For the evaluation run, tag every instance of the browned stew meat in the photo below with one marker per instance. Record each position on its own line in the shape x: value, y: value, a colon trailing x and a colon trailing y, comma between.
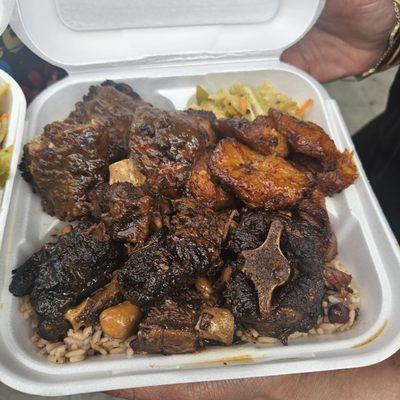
x: 113, y: 105
x: 63, y: 164
x: 200, y: 226
x: 64, y: 273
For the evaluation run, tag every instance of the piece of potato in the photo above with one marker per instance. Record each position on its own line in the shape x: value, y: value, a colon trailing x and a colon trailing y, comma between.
x: 204, y: 287
x: 126, y: 171
x: 216, y: 324
x: 120, y: 321
x: 87, y: 312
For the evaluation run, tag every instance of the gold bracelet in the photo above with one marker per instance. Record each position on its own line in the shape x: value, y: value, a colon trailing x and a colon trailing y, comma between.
x: 391, y: 56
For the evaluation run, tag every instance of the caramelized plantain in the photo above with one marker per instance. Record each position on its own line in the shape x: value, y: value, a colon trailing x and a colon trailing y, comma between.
x: 257, y: 180
x: 329, y: 182
x: 204, y: 190
x: 341, y: 177
x: 306, y: 138
x: 260, y: 134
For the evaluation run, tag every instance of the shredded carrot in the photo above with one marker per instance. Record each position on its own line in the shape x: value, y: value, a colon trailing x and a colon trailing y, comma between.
x: 300, y: 112
x: 243, y: 105
x: 3, y: 116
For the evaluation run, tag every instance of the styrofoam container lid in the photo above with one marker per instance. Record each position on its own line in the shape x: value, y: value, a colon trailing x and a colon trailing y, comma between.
x: 6, y: 8
x: 85, y: 34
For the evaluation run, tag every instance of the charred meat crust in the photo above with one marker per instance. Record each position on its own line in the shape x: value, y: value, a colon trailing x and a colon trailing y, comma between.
x: 175, y: 257
x: 112, y: 105
x: 157, y: 270
x: 81, y: 262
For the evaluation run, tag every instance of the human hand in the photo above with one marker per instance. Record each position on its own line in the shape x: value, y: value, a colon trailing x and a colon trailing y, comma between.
x: 377, y: 382
x: 348, y: 39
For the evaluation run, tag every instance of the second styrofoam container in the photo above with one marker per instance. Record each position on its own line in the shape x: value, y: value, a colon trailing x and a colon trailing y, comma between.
x: 13, y: 103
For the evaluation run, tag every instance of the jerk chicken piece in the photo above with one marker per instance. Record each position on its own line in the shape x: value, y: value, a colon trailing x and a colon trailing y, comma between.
x: 260, y: 135
x: 113, y: 105
x: 173, y: 259
x: 259, y: 181
x: 203, y: 189
x: 79, y: 264
x: 166, y: 144
x: 63, y: 164
x: 296, y: 304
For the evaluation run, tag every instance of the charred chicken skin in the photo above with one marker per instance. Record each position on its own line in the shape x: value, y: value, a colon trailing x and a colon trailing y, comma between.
x: 200, y: 225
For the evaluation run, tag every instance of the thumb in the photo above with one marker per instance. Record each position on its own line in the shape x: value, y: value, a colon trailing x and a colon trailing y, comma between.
x: 241, y: 389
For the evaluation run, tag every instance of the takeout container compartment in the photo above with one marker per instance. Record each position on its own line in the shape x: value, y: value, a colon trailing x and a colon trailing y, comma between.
x: 13, y: 102
x: 366, y: 245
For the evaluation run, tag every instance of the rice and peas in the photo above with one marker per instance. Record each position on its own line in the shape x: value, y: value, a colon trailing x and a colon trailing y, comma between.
x: 237, y: 101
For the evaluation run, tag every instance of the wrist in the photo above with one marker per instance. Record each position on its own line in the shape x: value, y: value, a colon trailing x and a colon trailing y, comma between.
x: 389, y: 52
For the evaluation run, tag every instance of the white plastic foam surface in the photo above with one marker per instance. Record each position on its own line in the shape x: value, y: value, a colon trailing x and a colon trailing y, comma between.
x: 117, y: 14
x: 97, y: 33
x: 13, y: 103
x: 366, y: 246
x: 6, y: 7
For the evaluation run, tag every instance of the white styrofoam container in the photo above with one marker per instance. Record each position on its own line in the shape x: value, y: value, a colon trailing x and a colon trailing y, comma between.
x: 205, y: 56
x: 13, y: 102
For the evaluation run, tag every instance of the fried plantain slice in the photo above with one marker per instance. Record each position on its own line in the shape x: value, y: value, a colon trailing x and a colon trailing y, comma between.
x: 260, y: 134
x: 306, y: 138
x: 341, y: 177
x: 259, y: 181
x: 204, y: 190
x: 329, y: 182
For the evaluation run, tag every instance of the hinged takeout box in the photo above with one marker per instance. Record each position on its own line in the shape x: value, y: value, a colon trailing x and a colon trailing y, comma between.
x: 212, y: 44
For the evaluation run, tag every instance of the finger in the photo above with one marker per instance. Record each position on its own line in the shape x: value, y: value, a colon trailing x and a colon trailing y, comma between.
x: 242, y: 389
